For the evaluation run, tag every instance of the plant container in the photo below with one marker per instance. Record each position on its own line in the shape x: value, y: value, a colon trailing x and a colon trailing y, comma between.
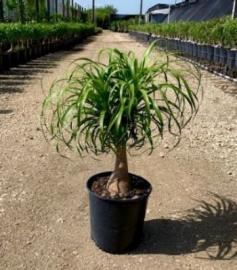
x: 235, y: 67
x: 186, y: 48
x: 216, y: 54
x: 183, y: 47
x: 175, y: 44
x: 223, y: 56
x: 117, y: 225
x: 1, y: 62
x: 15, y: 58
x: 168, y: 45
x: 231, y: 54
x: 210, y: 53
x: 204, y: 52
x: 190, y: 48
x: 22, y: 56
x: 159, y: 42
x: 194, y: 50
x: 7, y: 60
x: 145, y: 37
x: 179, y: 46
x: 152, y: 38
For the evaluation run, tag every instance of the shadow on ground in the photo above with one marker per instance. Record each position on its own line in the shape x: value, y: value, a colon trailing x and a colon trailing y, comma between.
x: 15, y: 79
x: 6, y: 111
x: 212, y: 227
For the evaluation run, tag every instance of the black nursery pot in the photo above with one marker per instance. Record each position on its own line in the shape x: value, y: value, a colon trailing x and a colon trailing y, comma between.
x: 231, y: 58
x: 117, y: 225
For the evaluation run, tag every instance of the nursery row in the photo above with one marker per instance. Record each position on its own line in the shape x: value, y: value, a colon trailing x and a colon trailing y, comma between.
x: 222, y: 31
x: 20, y: 43
x: 218, y: 58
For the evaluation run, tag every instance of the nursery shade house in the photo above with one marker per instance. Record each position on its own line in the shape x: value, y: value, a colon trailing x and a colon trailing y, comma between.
x: 189, y: 10
x: 9, y: 9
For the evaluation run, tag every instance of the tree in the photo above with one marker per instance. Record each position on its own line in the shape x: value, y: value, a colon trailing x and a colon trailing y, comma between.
x: 63, y: 8
x: 67, y: 8
x: 118, y: 106
x: 1, y: 11
x: 103, y: 15
x: 93, y: 11
x: 21, y: 8
x: 56, y: 7
x: 48, y: 10
x: 37, y: 10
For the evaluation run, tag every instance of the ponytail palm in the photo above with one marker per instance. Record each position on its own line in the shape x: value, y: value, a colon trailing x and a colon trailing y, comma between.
x: 122, y: 104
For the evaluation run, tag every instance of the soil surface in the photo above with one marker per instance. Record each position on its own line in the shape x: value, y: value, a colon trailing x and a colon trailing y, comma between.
x: 138, y: 189
x: 191, y: 219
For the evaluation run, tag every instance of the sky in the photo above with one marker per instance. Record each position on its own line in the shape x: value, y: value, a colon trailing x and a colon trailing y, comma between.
x: 125, y: 6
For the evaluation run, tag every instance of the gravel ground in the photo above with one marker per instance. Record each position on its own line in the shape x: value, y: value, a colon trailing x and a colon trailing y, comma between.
x: 191, y: 220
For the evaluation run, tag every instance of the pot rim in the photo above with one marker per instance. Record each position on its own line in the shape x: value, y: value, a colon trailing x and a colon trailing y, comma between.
x: 90, y: 181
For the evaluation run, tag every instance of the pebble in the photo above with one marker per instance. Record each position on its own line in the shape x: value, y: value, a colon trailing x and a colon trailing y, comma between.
x: 166, y: 146
x: 60, y: 220
x: 162, y: 155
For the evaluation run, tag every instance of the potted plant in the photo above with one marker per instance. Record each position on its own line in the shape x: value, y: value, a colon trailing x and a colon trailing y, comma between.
x: 116, y: 106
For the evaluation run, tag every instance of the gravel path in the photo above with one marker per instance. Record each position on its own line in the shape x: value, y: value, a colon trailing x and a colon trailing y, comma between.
x: 43, y: 202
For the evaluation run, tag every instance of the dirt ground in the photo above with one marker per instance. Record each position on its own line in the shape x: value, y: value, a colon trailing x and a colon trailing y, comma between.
x: 191, y: 220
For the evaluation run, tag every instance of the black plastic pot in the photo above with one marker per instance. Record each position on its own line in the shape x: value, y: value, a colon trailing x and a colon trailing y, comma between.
x: 186, y: 48
x: 22, y: 56
x: 204, y: 52
x: 210, y: 53
x: 15, y: 58
x: 216, y: 54
x: 7, y: 60
x: 223, y: 56
x: 159, y: 42
x: 235, y: 67
x: 231, y: 58
x: 195, y: 50
x: 190, y: 48
x: 117, y: 225
x: 176, y: 44
x: 152, y: 38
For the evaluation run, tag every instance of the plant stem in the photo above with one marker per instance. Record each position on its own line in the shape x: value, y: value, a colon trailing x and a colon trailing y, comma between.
x: 119, y: 181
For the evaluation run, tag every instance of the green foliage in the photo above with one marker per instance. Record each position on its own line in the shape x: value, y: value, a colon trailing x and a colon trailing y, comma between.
x: 119, y: 26
x: 22, y: 13
x: 1, y: 11
x: 123, y: 102
x: 217, y: 31
x: 13, y: 32
x: 103, y: 15
x: 11, y: 4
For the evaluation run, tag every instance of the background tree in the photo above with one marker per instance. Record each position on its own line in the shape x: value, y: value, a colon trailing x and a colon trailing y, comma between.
x: 56, y: 8
x: 22, y: 13
x: 37, y: 10
x: 1, y: 11
x: 63, y: 8
x: 93, y: 11
x: 67, y: 8
x: 48, y: 10
x: 103, y: 15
